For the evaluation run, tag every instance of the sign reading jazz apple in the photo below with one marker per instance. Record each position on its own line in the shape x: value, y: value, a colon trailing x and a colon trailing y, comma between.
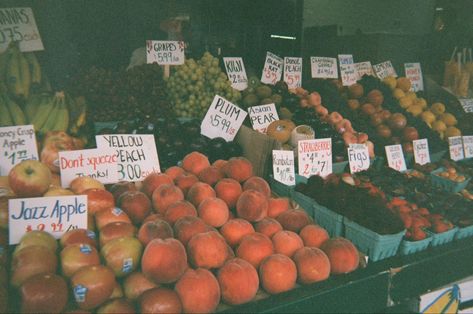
x: 18, y: 24
x: 18, y: 143
x: 165, y: 52
x: 55, y: 215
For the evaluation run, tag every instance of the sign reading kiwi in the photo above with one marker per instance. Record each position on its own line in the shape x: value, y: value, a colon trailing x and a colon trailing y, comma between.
x: 236, y: 73
x: 272, y: 70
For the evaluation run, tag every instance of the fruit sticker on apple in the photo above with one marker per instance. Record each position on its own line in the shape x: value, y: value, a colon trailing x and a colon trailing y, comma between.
x: 223, y: 119
x: 18, y: 144
x: 315, y: 157
x: 283, y: 167
x: 323, y: 67
x: 55, y: 215
x: 455, y: 145
x: 358, y: 157
x: 165, y: 52
x: 395, y: 157
x: 421, y: 151
x: 293, y: 72
x: 468, y: 146
x: 272, y: 70
x: 236, y: 73
x: 262, y: 116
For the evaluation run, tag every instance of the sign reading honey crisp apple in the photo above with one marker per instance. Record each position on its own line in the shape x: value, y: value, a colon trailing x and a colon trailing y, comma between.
x: 272, y: 70
x: 18, y: 24
x: 137, y: 156
x: 18, y: 143
x: 323, y: 67
x: 236, y: 73
x: 165, y: 52
x: 455, y: 146
x: 384, y: 69
x: 293, y: 72
x: 55, y: 215
x: 358, y: 157
x: 468, y: 146
x: 100, y: 164
x: 262, y: 116
x: 283, y: 167
x: 421, y: 151
x: 315, y: 157
x: 395, y: 157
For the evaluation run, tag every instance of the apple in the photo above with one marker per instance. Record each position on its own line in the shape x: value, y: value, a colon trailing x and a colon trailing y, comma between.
x: 37, y: 237
x: 4, y: 182
x: 92, y: 286
x: 156, y: 229
x: 121, y: 187
x: 135, y: 284
x: 58, y: 191
x: 55, y: 180
x: 122, y: 255
x: 80, y: 184
x: 410, y: 133
x: 107, y: 216
x: 116, y: 230
x: 153, y: 217
x: 76, y: 256
x: 136, y: 204
x: 160, y: 300
x: 154, y: 181
x: 43, y: 293
x: 32, y: 260
x: 29, y: 178
x: 117, y: 291
x: 78, y: 236
x: 98, y: 200
x: 122, y: 306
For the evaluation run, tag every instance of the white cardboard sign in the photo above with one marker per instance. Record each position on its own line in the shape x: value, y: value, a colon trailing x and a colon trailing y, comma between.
x: 323, y: 67
x: 223, y: 119
x: 467, y: 104
x: 262, y: 116
x: 395, y: 157
x: 55, y: 215
x: 384, y: 69
x: 358, y: 157
x: 348, y: 74
x: 345, y: 59
x: 421, y: 151
x: 315, y: 157
x: 100, y: 164
x: 293, y: 72
x: 468, y: 146
x: 18, y: 143
x: 283, y: 167
x: 236, y: 73
x: 136, y: 154
x: 18, y: 24
x: 272, y: 70
x: 363, y: 68
x: 165, y: 52
x: 414, y: 73
x: 455, y: 145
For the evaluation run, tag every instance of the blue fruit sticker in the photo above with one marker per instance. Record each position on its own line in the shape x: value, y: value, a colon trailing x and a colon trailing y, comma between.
x: 117, y: 211
x: 79, y: 293
x: 85, y: 248
x: 127, y: 265
x: 91, y: 234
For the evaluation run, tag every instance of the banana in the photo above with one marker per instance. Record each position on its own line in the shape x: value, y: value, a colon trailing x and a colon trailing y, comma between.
x: 16, y: 113
x: 25, y: 75
x: 31, y: 107
x: 35, y: 68
x: 3, y: 65
x: 62, y: 117
x: 5, y: 119
x: 13, y: 76
x: 51, y: 119
x: 43, y: 112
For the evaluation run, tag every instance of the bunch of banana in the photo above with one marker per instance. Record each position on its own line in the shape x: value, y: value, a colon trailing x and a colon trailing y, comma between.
x: 10, y: 112
x: 77, y: 113
x: 48, y: 113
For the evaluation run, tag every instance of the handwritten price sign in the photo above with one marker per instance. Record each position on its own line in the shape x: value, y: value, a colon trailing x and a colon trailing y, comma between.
x: 315, y: 157
x: 223, y: 119
x: 468, y: 146
x: 455, y: 145
x: 364, y: 68
x: 358, y: 157
x: 236, y: 73
x: 384, y: 69
x: 323, y: 67
x: 55, y: 215
x: 467, y: 104
x: 414, y: 73
x: 348, y: 74
x: 262, y: 116
x: 421, y: 151
x: 18, y: 143
x: 283, y: 167
x: 272, y: 70
x: 293, y: 72
x: 165, y: 52
x: 18, y: 24
x: 395, y: 157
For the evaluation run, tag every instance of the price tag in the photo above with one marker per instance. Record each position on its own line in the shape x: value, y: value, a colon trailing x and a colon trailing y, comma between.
x: 315, y: 157
x: 272, y: 70
x: 18, y: 143
x: 262, y: 116
x: 165, y: 52
x: 364, y: 68
x: 283, y: 167
x: 421, y: 151
x: 384, y: 69
x: 236, y: 73
x: 345, y: 59
x: 348, y: 74
x: 358, y: 157
x: 223, y: 119
x: 395, y: 157
x: 293, y: 72
x: 468, y: 146
x: 455, y: 144
x: 136, y: 154
x: 414, y: 73
x: 323, y: 67
x: 467, y: 104
x: 55, y: 215
x: 100, y: 164
x: 18, y: 24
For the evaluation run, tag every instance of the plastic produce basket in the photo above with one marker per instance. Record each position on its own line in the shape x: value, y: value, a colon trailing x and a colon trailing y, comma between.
x: 464, y: 232
x: 279, y: 188
x: 435, y: 157
x: 373, y: 244
x: 339, y: 167
x: 446, y: 184
x: 410, y: 247
x: 330, y: 220
x: 444, y: 237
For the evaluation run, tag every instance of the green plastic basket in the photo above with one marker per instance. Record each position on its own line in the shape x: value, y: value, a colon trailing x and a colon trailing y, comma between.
x: 464, y: 232
x: 339, y: 167
x: 279, y: 188
x: 446, y: 184
x: 410, y: 247
x: 444, y: 237
x: 330, y: 220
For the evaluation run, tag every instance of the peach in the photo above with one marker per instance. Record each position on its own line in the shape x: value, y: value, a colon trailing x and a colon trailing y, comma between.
x: 219, y: 163
x: 174, y: 172
x: 98, y: 200
x: 160, y: 300
x: 235, y: 229
x: 259, y: 184
x: 228, y: 190
x: 268, y: 226
x: 199, y: 291
x: 211, y: 175
x: 165, y: 195
x: 239, y: 168
x: 195, y: 162
x: 185, y: 181
x: 313, y: 235
x: 136, y: 204
x: 254, y: 248
x: 343, y: 255
x: 278, y: 205
x: 287, y: 242
x: 252, y: 206
x: 199, y: 192
x: 312, y: 265
x: 178, y: 210
x: 157, y: 229
x: 153, y: 217
x: 207, y: 250
x: 121, y: 187
x: 214, y: 212
x: 294, y: 219
x: 186, y: 227
x: 238, y: 281
x: 135, y: 284
x: 278, y: 273
x: 154, y: 181
x: 107, y: 216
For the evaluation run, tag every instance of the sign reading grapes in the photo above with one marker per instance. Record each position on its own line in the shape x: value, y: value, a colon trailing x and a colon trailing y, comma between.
x: 293, y: 72
x: 272, y: 70
x: 236, y: 73
x: 323, y: 67
x: 223, y: 119
x: 165, y: 52
x: 315, y: 157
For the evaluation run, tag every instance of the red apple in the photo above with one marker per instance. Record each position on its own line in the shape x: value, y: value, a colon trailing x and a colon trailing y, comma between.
x: 160, y: 300
x: 98, y: 200
x: 30, y: 261
x: 81, y: 184
x: 78, y: 236
x: 37, y: 237
x: 122, y: 255
x: 117, y: 291
x: 121, y: 306
x: 110, y: 215
x: 43, y: 293
x: 92, y: 286
x: 135, y: 284
x: 76, y: 256
x: 136, y: 204
x: 154, y: 181
x: 121, y: 187
x: 116, y: 230
x: 29, y: 178
x: 156, y: 229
